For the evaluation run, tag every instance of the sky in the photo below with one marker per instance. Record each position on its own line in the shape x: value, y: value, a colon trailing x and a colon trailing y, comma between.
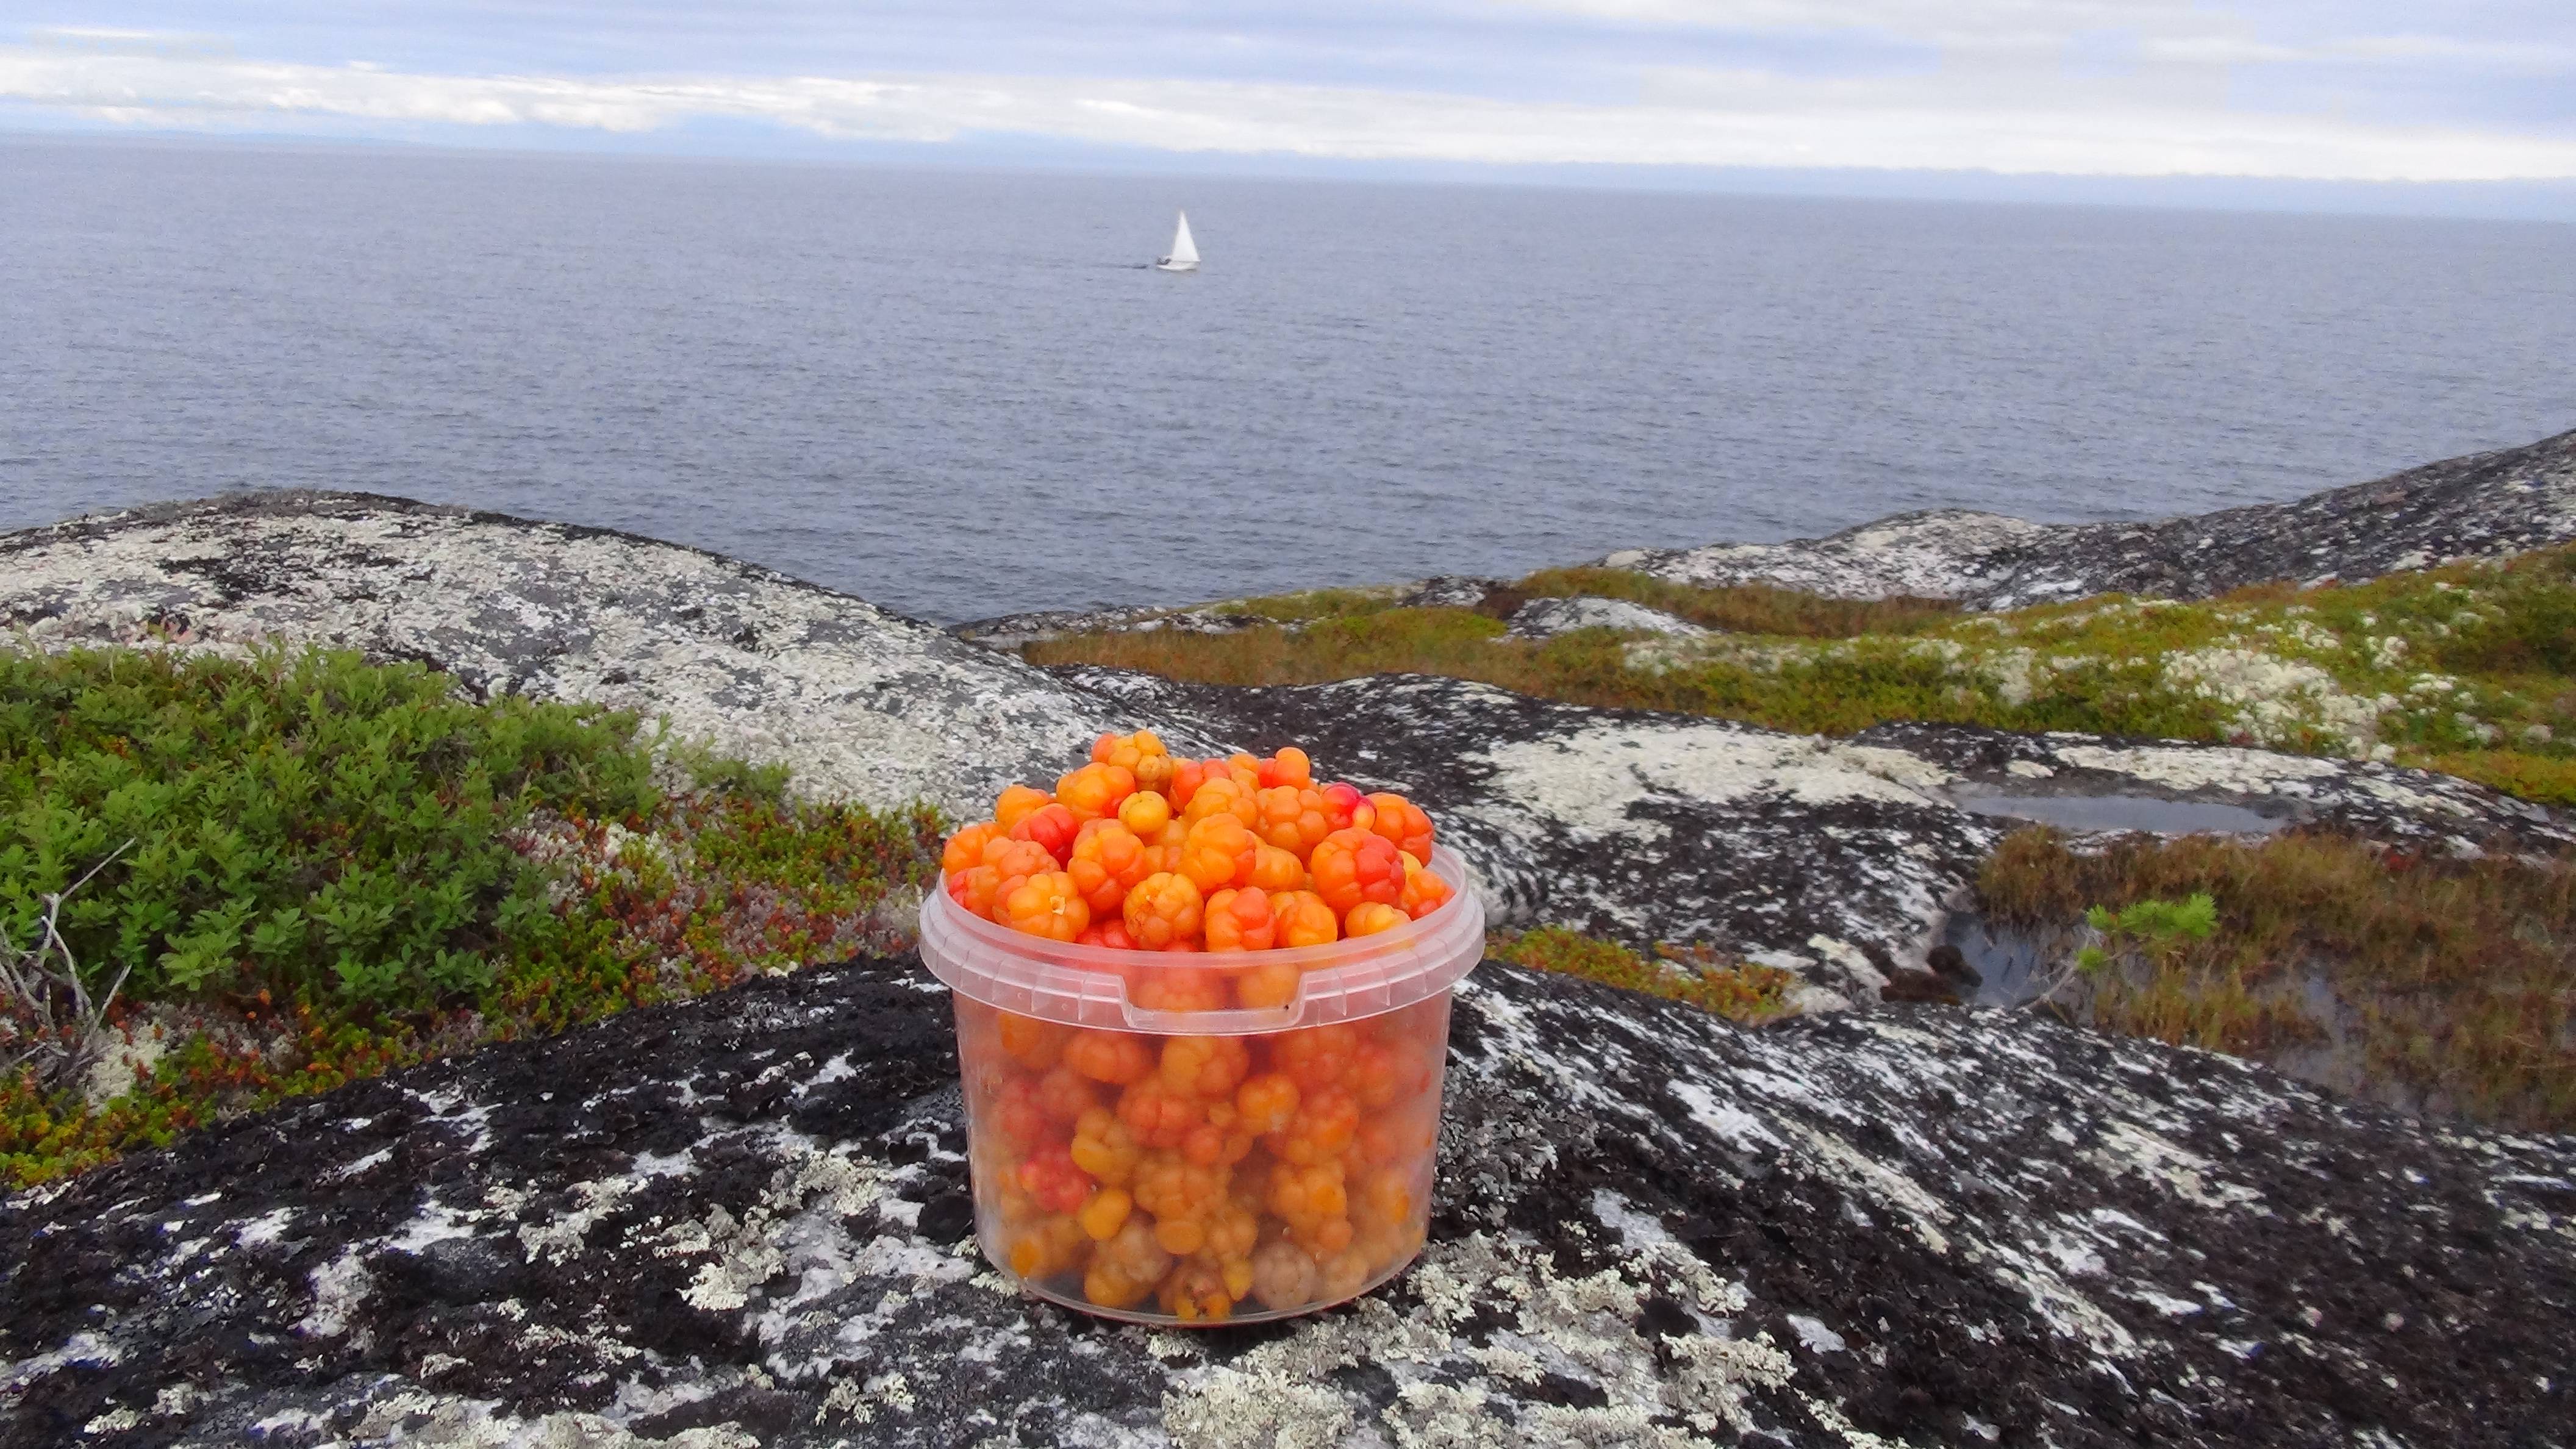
x: 2452, y: 94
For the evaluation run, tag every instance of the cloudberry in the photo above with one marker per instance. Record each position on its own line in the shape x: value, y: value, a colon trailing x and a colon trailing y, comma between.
x: 1050, y: 1177
x: 1145, y: 813
x: 1404, y: 825
x: 1351, y: 866
x: 1288, y: 766
x: 1291, y: 818
x: 1267, y: 1102
x: 1126, y: 750
x: 1095, y: 792
x: 1284, y: 1276
x: 1033, y: 1043
x: 1370, y: 917
x: 1114, y: 1057
x: 1219, y: 852
x: 1047, y: 1247
x: 1240, y: 920
x: 965, y: 850
x: 1304, y: 919
x: 1051, y: 827
x: 1314, y: 1057
x: 1424, y: 890
x: 1106, y: 1213
x: 1017, y: 802
x: 1158, y: 1114
x: 1325, y: 1123
x: 1347, y: 808
x: 1179, y: 988
x: 1266, y: 983
x: 1195, y: 1293
x: 1106, y: 1147
x: 1107, y: 862
x: 1162, y: 909
x: 1046, y: 905
x: 1111, y: 933
x: 1205, y: 1066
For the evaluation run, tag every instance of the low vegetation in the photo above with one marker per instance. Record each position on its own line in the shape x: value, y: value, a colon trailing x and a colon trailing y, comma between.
x: 1744, y: 991
x: 2468, y: 669
x: 302, y: 868
x: 2455, y: 978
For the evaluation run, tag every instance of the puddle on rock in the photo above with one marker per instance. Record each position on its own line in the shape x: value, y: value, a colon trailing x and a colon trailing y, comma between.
x: 2017, y: 965
x: 2150, y: 813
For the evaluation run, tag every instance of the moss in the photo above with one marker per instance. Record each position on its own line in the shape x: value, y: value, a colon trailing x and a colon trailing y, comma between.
x: 2459, y: 974
x: 1740, y: 990
x: 2464, y: 669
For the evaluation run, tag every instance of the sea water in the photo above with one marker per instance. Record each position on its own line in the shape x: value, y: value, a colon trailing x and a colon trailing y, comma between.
x: 961, y: 394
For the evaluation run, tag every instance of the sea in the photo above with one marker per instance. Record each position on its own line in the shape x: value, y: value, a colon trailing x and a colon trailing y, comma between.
x: 963, y: 393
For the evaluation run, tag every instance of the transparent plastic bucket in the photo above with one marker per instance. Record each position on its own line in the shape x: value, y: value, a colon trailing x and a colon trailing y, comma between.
x: 1220, y: 1164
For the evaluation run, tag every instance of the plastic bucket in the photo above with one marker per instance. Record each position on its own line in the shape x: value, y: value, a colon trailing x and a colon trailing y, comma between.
x: 1212, y: 1165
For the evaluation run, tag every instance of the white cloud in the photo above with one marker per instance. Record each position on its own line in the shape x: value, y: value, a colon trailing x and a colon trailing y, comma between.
x: 1684, y: 118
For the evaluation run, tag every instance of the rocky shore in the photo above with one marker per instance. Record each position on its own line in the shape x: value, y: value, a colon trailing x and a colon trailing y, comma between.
x: 744, y: 1221
x: 741, y: 1220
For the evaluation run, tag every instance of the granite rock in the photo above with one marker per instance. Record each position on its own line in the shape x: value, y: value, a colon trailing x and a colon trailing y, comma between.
x: 1547, y: 618
x: 2486, y: 505
x: 743, y: 1220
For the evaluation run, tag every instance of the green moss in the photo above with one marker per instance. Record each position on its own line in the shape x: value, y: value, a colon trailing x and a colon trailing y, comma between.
x: 1740, y: 990
x: 337, y: 867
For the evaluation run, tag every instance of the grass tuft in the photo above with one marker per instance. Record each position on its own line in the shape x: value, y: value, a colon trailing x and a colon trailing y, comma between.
x: 1740, y: 990
x: 2457, y: 976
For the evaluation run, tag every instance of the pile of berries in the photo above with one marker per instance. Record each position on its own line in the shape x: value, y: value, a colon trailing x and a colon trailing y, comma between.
x: 1140, y: 851
x: 1191, y: 1174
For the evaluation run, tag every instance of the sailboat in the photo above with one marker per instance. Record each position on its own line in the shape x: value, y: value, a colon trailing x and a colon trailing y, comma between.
x: 1185, y: 253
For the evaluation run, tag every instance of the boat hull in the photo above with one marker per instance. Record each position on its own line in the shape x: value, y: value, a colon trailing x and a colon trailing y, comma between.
x: 1168, y: 265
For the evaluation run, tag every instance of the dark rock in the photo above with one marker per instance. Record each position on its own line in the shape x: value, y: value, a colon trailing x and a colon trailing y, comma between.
x: 1922, y: 986
x: 2486, y: 505
x: 1951, y: 964
x: 1653, y: 1227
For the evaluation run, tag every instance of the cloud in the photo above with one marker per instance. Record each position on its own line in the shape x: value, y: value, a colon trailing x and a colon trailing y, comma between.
x: 1993, y: 115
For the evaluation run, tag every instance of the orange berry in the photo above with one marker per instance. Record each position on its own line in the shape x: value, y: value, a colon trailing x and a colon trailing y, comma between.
x: 1266, y: 983
x: 1326, y: 1121
x: 1292, y: 818
x: 1274, y: 869
x: 1106, y: 1213
x: 1033, y: 1043
x: 1095, y: 792
x: 1046, y: 904
x: 1145, y: 813
x: 1266, y: 1102
x: 1179, y: 988
x: 1222, y: 797
x: 1107, y: 862
x: 1205, y: 1066
x: 1114, y: 1057
x: 1111, y: 933
x: 1017, y: 857
x: 1047, y: 1247
x: 965, y: 849
x: 1284, y: 1276
x: 1304, y: 919
x: 1196, y: 1293
x: 1051, y: 827
x: 1240, y: 920
x: 1424, y: 891
x: 1289, y: 766
x: 1347, y: 808
x: 1404, y: 825
x: 1154, y: 772
x: 1219, y: 851
x: 1106, y: 1147
x: 1187, y: 776
x: 1314, y: 1057
x: 1376, y: 1075
x: 1158, y: 1114
x: 1051, y: 1179
x: 1351, y: 866
x: 1370, y: 917
x: 1163, y: 909
x: 974, y: 890
x: 1064, y: 1095
x: 1016, y: 804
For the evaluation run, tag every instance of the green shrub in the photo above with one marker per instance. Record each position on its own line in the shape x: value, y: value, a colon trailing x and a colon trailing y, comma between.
x: 305, y: 824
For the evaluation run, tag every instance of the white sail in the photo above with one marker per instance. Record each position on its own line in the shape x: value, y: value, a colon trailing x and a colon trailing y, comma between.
x: 1185, y: 252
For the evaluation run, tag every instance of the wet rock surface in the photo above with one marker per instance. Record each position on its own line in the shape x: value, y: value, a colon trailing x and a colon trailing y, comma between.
x: 743, y: 1220
x: 2482, y: 506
